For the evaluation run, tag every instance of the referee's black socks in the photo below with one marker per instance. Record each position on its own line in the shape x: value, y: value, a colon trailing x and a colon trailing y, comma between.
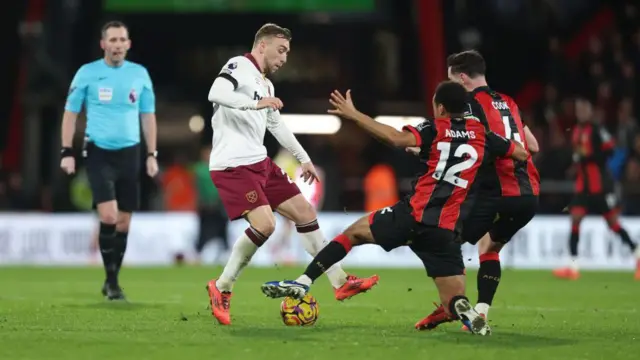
x: 108, y: 250
x: 120, y: 247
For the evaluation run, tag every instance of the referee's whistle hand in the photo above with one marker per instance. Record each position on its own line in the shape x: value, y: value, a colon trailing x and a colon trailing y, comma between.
x: 152, y: 166
x: 68, y: 165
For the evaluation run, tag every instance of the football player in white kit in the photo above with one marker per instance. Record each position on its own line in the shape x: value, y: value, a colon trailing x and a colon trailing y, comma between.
x: 250, y: 185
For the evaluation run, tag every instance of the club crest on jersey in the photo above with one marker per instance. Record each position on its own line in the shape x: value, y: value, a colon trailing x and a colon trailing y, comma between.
x: 468, y: 112
x: 459, y: 134
x: 233, y: 66
x: 252, y: 196
x: 133, y: 96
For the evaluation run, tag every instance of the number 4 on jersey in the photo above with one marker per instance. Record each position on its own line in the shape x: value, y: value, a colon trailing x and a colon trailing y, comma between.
x: 511, y: 135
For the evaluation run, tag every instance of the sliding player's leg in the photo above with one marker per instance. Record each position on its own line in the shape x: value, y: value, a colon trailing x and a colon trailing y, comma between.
x: 477, y: 223
x: 442, y: 259
x: 389, y: 227
x: 300, y: 211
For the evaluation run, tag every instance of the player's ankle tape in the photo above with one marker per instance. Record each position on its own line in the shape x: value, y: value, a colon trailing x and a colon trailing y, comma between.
x: 490, y: 256
x: 343, y: 240
x: 107, y: 229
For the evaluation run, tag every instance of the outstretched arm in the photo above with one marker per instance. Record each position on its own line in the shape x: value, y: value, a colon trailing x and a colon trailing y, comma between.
x: 344, y: 107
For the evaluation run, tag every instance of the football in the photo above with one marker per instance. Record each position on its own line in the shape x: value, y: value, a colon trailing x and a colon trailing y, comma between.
x: 296, y: 312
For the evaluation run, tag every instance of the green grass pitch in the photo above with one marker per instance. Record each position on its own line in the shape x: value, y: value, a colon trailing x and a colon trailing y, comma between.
x: 58, y: 313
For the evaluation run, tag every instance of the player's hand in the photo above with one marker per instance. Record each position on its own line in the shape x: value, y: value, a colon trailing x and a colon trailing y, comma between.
x: 270, y: 102
x: 414, y: 150
x: 152, y: 166
x: 68, y: 165
x: 309, y: 173
x: 343, y: 105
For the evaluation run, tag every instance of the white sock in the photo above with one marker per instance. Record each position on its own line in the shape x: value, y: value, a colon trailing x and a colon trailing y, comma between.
x: 313, y: 242
x: 241, y: 254
x: 574, y: 263
x: 482, y: 308
x: 304, y: 279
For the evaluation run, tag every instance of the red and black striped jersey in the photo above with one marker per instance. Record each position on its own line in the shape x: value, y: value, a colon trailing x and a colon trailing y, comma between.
x: 592, y: 146
x: 453, y: 150
x: 500, y: 114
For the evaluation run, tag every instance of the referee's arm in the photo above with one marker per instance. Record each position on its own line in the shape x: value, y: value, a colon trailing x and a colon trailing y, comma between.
x: 73, y: 106
x: 148, y: 114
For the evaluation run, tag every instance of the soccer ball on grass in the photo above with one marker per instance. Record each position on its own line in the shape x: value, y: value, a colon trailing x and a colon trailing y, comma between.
x: 296, y: 312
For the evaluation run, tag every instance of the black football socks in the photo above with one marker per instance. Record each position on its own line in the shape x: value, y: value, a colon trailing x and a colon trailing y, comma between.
x: 120, y: 248
x: 335, y: 251
x: 110, y: 255
x: 488, y: 277
x: 574, y: 239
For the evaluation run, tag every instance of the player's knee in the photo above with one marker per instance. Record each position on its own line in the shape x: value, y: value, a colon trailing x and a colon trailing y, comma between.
x: 358, y: 233
x: 108, y: 212
x: 124, y: 222
x: 109, y: 218
x: 265, y: 226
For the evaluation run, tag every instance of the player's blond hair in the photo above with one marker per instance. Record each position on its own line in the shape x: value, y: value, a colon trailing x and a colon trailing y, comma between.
x: 272, y: 30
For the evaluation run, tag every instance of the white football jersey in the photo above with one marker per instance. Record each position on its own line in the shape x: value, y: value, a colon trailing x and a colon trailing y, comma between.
x: 238, y: 135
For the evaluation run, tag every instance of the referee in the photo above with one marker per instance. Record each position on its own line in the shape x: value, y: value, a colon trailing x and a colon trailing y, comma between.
x: 116, y: 94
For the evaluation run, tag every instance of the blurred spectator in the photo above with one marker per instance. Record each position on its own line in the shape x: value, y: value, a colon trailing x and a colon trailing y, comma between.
x: 549, y: 108
x: 605, y: 104
x: 4, y: 200
x: 557, y: 69
x: 628, y: 81
x: 627, y: 124
x: 213, y: 218
x: 15, y: 198
x: 178, y: 187
x: 593, y: 55
x: 380, y: 188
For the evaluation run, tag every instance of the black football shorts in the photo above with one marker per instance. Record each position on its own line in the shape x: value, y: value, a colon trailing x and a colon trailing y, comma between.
x: 114, y: 175
x: 395, y: 226
x: 502, y: 217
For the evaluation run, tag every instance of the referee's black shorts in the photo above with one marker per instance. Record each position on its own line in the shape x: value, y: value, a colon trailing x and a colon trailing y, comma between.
x: 114, y: 175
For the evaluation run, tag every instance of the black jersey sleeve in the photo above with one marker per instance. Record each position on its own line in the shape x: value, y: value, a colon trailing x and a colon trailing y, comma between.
x: 499, y: 146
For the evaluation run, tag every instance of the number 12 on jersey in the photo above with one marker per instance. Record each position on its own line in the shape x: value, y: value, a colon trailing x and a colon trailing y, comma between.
x: 452, y: 174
